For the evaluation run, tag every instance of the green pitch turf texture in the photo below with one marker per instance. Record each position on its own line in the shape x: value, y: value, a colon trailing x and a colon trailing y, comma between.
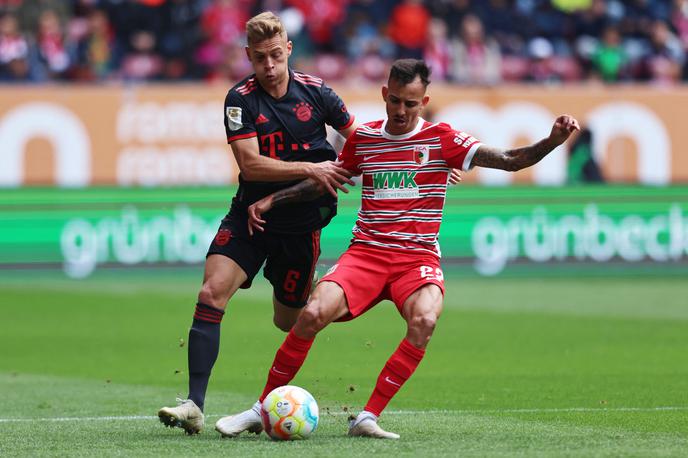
x: 518, y: 366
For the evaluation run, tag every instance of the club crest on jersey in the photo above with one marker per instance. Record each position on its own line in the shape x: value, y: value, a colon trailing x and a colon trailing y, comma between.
x: 303, y: 111
x: 421, y: 153
x: 234, y: 118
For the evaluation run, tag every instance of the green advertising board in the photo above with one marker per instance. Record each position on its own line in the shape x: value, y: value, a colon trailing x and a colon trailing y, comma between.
x: 488, y: 230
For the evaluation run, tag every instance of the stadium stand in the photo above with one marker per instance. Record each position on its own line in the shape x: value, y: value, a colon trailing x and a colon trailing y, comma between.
x: 466, y: 42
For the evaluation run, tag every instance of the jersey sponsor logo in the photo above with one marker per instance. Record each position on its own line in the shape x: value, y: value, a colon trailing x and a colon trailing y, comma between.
x: 395, y: 185
x: 421, y: 153
x: 369, y: 157
x: 234, y: 118
x: 303, y: 111
x: 463, y: 139
x: 261, y: 119
x: 223, y: 237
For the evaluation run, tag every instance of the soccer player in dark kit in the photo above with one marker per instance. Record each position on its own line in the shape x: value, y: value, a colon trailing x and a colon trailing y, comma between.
x: 275, y: 122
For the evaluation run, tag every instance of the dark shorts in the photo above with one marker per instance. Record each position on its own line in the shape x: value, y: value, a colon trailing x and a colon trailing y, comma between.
x: 289, y: 259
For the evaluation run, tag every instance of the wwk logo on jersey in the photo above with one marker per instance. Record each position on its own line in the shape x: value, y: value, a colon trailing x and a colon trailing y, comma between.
x: 395, y: 185
x: 234, y: 118
x: 421, y: 153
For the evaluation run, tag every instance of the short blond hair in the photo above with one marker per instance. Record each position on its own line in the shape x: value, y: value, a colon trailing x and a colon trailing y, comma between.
x: 264, y: 26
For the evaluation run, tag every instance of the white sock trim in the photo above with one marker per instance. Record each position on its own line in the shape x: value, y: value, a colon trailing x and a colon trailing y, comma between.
x: 257, y: 407
x: 365, y: 415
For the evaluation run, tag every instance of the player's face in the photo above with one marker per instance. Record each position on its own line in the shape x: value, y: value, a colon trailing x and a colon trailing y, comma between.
x: 404, y: 103
x: 270, y: 61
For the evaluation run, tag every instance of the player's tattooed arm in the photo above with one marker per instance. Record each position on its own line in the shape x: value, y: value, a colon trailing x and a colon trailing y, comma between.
x: 513, y: 159
x: 304, y: 191
x: 520, y: 158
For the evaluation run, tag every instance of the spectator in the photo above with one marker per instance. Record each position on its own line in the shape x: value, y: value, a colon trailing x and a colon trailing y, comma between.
x: 14, y: 50
x: 665, y: 61
x: 610, y: 58
x: 541, y: 53
x: 364, y: 37
x: 180, y: 34
x: 476, y: 58
x: 438, y: 50
x: 142, y: 63
x: 31, y: 11
x: 97, y: 52
x: 408, y: 28
x: 451, y: 12
x: 222, y: 25
x: 52, y: 48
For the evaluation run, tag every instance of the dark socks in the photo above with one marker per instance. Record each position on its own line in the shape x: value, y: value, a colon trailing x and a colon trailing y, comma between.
x: 204, y: 345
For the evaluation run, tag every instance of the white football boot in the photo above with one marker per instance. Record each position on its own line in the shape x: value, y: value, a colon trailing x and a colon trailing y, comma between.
x: 365, y: 425
x: 248, y: 420
x: 186, y: 415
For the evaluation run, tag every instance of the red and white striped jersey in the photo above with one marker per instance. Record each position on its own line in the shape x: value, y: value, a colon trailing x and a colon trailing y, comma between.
x: 404, y: 182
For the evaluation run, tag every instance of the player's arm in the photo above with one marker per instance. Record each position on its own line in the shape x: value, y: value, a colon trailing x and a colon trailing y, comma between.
x: 303, y: 191
x: 254, y: 167
x: 347, y: 131
x: 520, y: 158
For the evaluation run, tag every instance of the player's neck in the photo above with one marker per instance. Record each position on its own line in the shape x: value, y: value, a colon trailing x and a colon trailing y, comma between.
x: 277, y: 89
x: 401, y: 136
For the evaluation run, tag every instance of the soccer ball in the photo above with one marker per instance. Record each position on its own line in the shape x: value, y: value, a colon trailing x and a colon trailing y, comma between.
x: 289, y: 413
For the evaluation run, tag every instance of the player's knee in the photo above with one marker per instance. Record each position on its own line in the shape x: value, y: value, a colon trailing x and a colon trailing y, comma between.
x: 424, y: 324
x: 312, y: 319
x: 211, y: 295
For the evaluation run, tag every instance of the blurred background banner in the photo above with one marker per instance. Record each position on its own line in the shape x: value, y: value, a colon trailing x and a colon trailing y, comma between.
x: 520, y: 230
x: 75, y: 136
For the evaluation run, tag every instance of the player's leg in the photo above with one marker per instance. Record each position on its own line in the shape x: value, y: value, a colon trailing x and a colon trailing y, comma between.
x: 290, y: 269
x: 326, y: 304
x: 284, y: 315
x: 221, y: 279
x: 418, y: 294
x: 232, y: 262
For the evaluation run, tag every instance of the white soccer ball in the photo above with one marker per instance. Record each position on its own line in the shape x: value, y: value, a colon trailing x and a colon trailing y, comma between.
x: 289, y: 413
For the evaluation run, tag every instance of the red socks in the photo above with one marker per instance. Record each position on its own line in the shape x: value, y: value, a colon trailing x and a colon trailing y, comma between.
x: 288, y: 361
x: 397, y: 370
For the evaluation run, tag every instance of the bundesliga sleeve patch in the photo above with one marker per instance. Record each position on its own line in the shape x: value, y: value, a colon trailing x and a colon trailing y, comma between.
x: 234, y: 118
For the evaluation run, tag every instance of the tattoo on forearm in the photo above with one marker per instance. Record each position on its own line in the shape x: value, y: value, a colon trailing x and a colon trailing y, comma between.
x: 301, y: 192
x: 513, y: 159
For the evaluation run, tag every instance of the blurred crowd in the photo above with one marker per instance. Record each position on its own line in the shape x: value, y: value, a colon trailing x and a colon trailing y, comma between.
x: 468, y: 42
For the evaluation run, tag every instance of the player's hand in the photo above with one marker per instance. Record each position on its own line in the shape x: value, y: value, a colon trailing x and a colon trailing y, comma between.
x: 331, y: 176
x: 455, y: 176
x: 255, y: 214
x: 563, y: 127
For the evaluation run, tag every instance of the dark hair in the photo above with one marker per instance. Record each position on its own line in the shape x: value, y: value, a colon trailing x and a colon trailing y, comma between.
x: 406, y: 70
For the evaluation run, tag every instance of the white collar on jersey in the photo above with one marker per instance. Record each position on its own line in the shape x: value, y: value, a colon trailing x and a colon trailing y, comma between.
x: 415, y: 130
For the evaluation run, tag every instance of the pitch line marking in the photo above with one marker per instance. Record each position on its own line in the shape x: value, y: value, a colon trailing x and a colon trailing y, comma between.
x: 391, y: 412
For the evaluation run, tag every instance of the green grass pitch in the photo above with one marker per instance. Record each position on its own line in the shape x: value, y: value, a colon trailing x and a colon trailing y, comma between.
x: 517, y: 367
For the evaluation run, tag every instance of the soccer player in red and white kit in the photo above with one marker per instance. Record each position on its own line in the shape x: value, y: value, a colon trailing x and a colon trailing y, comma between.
x: 404, y: 162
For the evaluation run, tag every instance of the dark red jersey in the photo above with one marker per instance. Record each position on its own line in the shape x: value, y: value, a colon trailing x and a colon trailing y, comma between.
x: 291, y: 128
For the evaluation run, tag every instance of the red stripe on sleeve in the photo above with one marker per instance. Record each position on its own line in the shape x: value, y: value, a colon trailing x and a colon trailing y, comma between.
x: 348, y: 124
x: 239, y: 137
